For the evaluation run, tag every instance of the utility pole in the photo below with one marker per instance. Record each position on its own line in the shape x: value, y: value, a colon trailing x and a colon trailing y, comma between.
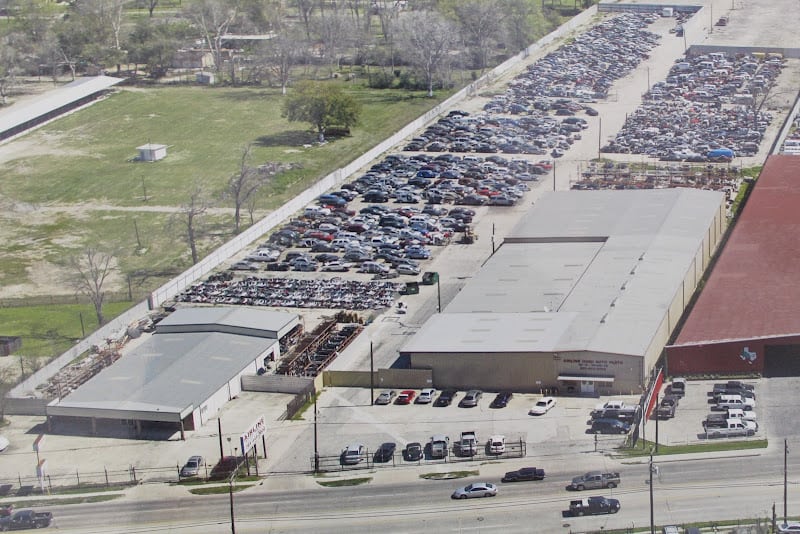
x: 785, y: 471
x: 652, y: 523
x: 554, y: 174
x: 371, y: 377
x: 316, y: 443
x: 599, y: 136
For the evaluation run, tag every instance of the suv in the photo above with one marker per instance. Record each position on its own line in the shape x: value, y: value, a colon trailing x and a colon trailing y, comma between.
x: 471, y: 399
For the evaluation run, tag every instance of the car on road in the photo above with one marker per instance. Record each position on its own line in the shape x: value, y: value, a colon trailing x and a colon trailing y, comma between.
x: 594, y: 506
x: 413, y: 452
x: 445, y: 398
x: 791, y: 526
x: 542, y: 406
x: 385, y: 452
x: 501, y: 400
x: 471, y: 399
x: 405, y: 397
x: 425, y: 396
x: 353, y: 454
x: 4, y: 443
x: 192, y: 467
x: 476, y: 489
x: 386, y: 397
x: 524, y: 474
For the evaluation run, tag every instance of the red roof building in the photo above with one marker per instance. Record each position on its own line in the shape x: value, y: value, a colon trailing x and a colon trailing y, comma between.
x: 747, y: 317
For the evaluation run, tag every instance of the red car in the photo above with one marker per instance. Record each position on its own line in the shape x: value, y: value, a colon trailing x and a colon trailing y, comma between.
x: 319, y: 234
x: 405, y: 397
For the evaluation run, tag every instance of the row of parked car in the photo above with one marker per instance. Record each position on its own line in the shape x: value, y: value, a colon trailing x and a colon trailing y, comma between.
x: 733, y: 415
x: 707, y: 109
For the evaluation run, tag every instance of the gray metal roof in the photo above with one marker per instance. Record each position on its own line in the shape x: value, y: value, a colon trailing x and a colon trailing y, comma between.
x: 167, y: 374
x: 53, y: 100
x: 602, y: 266
x: 269, y: 323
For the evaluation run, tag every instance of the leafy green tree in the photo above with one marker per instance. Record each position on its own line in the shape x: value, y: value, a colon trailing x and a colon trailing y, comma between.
x: 321, y: 104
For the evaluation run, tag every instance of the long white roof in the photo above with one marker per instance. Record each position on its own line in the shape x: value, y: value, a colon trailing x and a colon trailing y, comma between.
x: 50, y: 101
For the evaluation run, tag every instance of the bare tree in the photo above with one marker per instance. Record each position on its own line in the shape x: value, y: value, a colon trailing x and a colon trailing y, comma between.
x: 280, y: 54
x: 90, y: 269
x: 480, y: 22
x: 9, y: 67
x: 191, y: 212
x: 151, y: 6
x: 243, y: 185
x: 427, y: 40
x: 305, y: 8
x: 332, y: 29
x: 214, y: 18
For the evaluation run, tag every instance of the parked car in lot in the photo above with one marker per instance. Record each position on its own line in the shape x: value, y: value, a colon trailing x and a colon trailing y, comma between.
x: 496, y: 444
x: 610, y: 426
x: 407, y: 269
x: 524, y: 474
x: 439, y: 446
x: 373, y: 267
x: 445, y: 398
x: 405, y: 397
x: 425, y: 396
x: 476, y: 489
x: 413, y: 452
x: 471, y: 399
x: 244, y: 266
x: 385, y: 452
x: 542, y: 406
x: 501, y: 400
x: 353, y: 454
x: 386, y: 397
x: 335, y: 267
x: 192, y: 467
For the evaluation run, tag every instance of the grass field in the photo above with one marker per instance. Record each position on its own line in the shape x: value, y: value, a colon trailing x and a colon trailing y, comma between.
x: 48, y: 330
x: 80, y: 186
x: 73, y: 183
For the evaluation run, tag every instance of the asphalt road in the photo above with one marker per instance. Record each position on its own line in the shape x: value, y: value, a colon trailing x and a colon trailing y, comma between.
x: 684, y: 490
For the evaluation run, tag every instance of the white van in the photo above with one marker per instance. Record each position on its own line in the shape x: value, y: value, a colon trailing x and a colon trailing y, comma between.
x: 726, y: 402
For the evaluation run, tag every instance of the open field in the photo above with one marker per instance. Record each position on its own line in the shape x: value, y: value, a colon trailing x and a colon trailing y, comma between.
x: 73, y: 182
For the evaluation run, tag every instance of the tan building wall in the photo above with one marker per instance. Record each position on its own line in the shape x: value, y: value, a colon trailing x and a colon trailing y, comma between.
x: 531, y: 372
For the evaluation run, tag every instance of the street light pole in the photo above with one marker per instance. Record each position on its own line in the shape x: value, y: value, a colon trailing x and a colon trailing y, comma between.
x: 652, y: 523
x: 785, y: 470
x: 316, y: 443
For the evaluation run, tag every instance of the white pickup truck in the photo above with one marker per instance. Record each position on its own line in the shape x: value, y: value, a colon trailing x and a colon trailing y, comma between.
x: 468, y: 444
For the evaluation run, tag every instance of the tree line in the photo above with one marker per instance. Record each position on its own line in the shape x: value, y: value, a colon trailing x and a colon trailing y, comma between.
x: 267, y: 41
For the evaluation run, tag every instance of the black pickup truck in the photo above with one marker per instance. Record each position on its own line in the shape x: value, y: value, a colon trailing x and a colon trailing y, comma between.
x: 594, y: 506
x: 526, y: 473
x: 26, y: 519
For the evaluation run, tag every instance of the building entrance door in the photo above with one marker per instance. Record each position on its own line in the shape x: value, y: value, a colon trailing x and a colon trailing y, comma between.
x: 587, y: 387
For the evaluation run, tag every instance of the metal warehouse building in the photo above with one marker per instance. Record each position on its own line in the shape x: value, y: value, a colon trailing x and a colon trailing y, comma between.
x: 747, y: 318
x: 183, y: 374
x: 582, y: 296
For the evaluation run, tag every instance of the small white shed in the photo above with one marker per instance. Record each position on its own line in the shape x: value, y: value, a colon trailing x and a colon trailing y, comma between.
x: 152, y: 152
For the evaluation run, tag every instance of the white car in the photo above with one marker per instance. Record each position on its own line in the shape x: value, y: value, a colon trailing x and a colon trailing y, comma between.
x: 425, y: 396
x: 4, y: 443
x: 789, y: 527
x: 497, y: 444
x: 476, y: 489
x: 542, y: 406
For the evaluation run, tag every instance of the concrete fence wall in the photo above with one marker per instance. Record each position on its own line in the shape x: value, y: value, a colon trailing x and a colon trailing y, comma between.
x: 384, y: 378
x: 115, y: 329
x: 276, y: 383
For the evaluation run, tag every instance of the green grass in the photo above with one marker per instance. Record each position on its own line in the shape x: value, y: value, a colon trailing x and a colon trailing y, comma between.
x: 345, y: 482
x: 58, y: 502
x: 49, y: 330
x: 711, y: 446
x: 218, y: 490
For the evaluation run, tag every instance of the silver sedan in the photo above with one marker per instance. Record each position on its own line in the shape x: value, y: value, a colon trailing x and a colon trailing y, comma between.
x: 476, y: 489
